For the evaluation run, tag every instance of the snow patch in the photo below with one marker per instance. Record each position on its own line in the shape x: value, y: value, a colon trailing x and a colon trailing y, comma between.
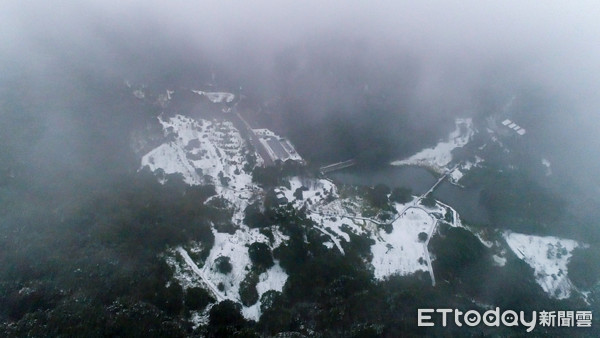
x: 459, y: 172
x: 138, y: 93
x: 548, y: 166
x: 498, y: 260
x: 438, y: 157
x: 216, y: 97
x: 456, y: 175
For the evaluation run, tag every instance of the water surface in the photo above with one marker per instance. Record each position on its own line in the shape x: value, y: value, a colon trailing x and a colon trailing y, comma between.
x: 465, y: 201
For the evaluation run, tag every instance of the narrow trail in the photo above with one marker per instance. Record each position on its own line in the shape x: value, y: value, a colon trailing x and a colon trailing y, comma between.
x: 209, y: 285
x: 427, y: 256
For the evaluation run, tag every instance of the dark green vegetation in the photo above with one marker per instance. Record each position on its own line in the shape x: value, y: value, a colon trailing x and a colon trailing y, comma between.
x: 197, y: 298
x: 515, y: 187
x: 428, y: 201
x: 260, y: 255
x: 463, y: 265
x: 223, y: 264
x: 274, y: 175
x: 103, y: 274
x: 584, y: 268
x: 248, y: 293
x: 103, y: 277
x: 378, y: 195
x: 516, y: 202
x: 401, y: 195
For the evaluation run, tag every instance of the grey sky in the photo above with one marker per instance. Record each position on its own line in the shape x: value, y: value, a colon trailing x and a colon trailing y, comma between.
x: 552, y: 43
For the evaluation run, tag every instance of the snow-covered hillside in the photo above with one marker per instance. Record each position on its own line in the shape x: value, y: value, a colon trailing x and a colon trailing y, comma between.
x: 214, y: 152
x: 438, y: 157
x: 399, y: 252
x: 548, y: 256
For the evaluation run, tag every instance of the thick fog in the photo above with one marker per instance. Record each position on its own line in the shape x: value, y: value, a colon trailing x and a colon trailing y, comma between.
x: 373, y: 81
x: 432, y: 60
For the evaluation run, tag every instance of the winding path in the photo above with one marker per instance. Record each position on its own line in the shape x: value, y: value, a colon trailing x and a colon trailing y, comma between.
x: 412, y: 204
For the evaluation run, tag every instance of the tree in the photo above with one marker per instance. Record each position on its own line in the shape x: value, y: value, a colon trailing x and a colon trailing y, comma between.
x: 298, y: 193
x: 422, y: 236
x: 260, y: 255
x: 429, y: 201
x: 169, y: 299
x: 378, y: 195
x: 401, y: 195
x: 254, y: 217
x: 456, y: 252
x: 197, y: 299
x: 277, y: 315
x: 248, y: 293
x: 225, y: 318
x: 223, y: 264
x: 584, y: 269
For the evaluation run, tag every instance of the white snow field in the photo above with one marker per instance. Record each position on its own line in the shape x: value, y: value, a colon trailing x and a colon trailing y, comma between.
x: 401, y: 252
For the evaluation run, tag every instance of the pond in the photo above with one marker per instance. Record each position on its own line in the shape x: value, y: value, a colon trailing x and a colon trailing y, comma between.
x: 465, y: 201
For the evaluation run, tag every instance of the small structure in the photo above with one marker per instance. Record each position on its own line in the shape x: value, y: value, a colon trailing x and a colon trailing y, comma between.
x: 276, y: 147
x: 510, y: 124
x: 281, y: 199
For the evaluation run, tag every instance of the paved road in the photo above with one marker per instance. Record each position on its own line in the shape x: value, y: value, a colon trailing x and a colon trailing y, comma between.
x: 414, y: 203
x: 258, y: 147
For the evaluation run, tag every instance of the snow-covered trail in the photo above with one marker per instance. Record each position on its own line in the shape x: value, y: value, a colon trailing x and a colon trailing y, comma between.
x: 427, y: 255
x: 197, y: 271
x: 333, y: 238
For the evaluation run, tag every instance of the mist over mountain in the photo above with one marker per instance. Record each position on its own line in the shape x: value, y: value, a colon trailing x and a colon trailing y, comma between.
x: 344, y: 63
x: 120, y: 148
